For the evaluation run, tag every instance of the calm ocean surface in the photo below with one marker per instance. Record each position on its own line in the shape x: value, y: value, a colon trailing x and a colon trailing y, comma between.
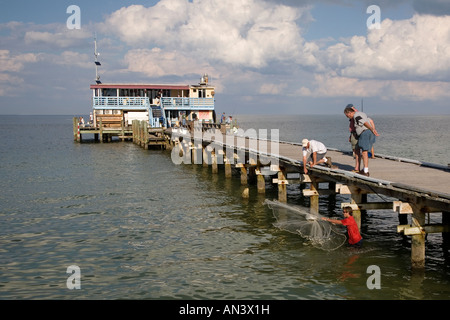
x: 140, y: 227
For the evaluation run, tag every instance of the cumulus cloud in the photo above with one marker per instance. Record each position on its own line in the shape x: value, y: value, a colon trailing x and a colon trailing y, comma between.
x: 406, y: 49
x: 332, y: 85
x: 272, y: 88
x: 70, y: 59
x: 11, y: 63
x: 245, y: 33
x: 405, y: 59
x: 139, y: 25
x: 183, y: 37
x: 63, y: 38
x: 10, y: 66
x: 157, y: 63
x: 244, y: 43
x: 417, y: 90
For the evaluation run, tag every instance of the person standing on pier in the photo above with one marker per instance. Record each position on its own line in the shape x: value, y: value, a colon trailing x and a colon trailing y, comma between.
x: 316, y: 151
x: 354, y: 236
x: 366, y: 135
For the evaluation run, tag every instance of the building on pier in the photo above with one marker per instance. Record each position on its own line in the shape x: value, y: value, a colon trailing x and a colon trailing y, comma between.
x: 163, y: 106
x: 160, y: 105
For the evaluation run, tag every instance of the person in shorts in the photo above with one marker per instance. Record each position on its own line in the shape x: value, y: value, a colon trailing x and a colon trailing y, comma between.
x: 366, y: 135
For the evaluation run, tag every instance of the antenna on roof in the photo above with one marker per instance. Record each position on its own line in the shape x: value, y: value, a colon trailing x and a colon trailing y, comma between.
x: 97, y: 63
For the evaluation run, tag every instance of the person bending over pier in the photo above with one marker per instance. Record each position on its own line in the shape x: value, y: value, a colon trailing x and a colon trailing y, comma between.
x: 365, y: 133
x: 315, y: 151
x: 354, y: 237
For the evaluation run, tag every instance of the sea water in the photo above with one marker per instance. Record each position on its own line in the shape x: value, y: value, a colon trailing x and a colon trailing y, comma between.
x: 140, y: 227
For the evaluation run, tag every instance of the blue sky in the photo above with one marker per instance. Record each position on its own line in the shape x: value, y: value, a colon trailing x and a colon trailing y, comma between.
x: 265, y: 57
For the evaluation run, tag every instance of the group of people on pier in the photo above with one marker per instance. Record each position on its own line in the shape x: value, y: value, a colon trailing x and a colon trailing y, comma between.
x: 362, y: 137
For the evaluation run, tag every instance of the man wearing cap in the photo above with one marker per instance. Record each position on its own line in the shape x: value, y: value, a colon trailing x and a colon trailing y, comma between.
x: 365, y: 133
x: 315, y: 151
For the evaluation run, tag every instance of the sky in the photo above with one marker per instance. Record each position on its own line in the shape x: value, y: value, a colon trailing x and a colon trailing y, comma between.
x: 263, y: 56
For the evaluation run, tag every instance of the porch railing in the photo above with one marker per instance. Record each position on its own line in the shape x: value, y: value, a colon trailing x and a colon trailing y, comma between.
x: 187, y: 103
x: 121, y: 103
x: 144, y: 103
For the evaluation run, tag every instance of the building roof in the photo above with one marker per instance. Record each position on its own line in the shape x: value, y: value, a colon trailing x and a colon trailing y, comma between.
x: 139, y: 86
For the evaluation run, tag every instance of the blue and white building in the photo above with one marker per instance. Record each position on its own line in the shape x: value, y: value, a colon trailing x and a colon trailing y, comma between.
x: 163, y: 106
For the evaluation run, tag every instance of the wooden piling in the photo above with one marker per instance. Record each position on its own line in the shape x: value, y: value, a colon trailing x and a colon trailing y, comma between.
x: 101, y: 130
x: 75, y: 129
x: 282, y: 185
x: 357, y: 198
x: 418, y: 240
x: 215, y: 168
x: 145, y: 132
x: 205, y: 158
x: 244, y: 178
x: 228, y: 172
x: 246, y: 193
x: 197, y: 152
x: 122, y: 135
x: 314, y: 198
x: 260, y: 182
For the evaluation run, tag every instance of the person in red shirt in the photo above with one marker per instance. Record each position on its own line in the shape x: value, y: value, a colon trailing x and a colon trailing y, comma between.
x: 354, y: 237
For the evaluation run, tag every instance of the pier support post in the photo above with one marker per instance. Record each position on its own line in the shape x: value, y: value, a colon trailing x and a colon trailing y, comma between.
x: 418, y: 240
x: 314, y: 199
x: 141, y: 133
x: 205, y: 161
x: 75, y: 129
x: 133, y: 130
x: 228, y: 173
x: 244, y: 177
x: 357, y: 198
x: 101, y: 130
x: 260, y: 181
x: 246, y: 193
x: 145, y: 134
x: 282, y: 188
x: 197, y: 152
x: 215, y: 167
x: 122, y: 135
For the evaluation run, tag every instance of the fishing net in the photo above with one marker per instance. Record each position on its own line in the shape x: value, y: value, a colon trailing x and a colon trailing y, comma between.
x: 296, y: 219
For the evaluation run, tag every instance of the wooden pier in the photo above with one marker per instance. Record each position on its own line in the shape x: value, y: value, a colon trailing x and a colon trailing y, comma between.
x: 139, y: 132
x: 415, y: 190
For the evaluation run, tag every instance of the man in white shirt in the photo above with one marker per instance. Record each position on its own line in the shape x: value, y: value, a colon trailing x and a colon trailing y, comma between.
x: 315, y: 151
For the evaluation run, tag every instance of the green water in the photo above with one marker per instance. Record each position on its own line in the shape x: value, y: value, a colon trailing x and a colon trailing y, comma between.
x: 140, y: 227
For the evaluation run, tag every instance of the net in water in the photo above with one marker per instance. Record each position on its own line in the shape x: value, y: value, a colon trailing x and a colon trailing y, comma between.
x: 296, y: 219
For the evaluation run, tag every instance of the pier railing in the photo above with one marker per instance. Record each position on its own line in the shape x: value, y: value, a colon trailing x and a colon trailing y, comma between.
x: 167, y: 103
x: 187, y: 103
x: 121, y: 102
